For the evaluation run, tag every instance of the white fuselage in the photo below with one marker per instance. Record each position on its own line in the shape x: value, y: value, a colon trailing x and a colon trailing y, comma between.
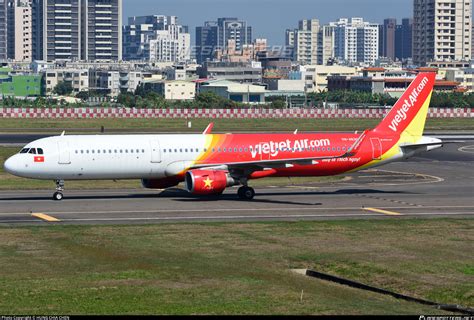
x: 108, y: 157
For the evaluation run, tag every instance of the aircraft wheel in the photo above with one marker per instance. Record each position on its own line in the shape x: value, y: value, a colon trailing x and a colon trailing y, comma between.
x: 246, y: 193
x: 58, y: 196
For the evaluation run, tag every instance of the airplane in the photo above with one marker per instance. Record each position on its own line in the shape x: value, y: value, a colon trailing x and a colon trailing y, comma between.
x: 209, y: 163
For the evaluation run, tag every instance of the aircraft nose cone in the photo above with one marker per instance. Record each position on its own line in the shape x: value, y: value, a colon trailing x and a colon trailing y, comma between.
x: 11, y: 166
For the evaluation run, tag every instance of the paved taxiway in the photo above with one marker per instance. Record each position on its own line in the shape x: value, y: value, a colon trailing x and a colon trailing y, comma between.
x: 439, y: 183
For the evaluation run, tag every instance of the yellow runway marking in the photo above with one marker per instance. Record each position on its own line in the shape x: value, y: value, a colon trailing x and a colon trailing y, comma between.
x: 45, y: 217
x: 391, y: 213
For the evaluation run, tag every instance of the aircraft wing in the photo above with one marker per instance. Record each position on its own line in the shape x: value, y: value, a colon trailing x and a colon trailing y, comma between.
x: 288, y: 162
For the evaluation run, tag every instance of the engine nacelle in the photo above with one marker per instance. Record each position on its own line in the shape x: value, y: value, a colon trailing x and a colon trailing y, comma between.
x: 208, y: 182
x: 162, y: 183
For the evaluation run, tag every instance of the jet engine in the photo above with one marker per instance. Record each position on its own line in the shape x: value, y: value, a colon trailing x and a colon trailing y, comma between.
x: 208, y: 182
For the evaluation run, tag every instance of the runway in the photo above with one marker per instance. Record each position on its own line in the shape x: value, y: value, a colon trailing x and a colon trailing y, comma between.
x: 437, y: 184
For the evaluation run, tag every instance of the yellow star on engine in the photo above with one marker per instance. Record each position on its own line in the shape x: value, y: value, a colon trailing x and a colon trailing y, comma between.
x: 208, y: 183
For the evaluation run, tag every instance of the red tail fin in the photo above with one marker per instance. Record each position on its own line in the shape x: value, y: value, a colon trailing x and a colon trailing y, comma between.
x: 409, y: 113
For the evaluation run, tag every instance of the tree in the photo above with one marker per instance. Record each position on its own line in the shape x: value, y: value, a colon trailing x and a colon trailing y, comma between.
x: 63, y: 88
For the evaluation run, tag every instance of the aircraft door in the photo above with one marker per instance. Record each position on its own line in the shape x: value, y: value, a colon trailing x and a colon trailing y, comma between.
x: 155, y: 151
x: 64, y: 155
x: 376, y: 148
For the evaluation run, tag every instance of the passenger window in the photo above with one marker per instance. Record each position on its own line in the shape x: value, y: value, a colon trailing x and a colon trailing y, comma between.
x: 40, y: 151
x: 126, y: 150
x: 110, y: 151
x: 93, y: 151
x: 121, y: 150
x: 225, y: 149
x: 219, y: 150
x: 143, y: 150
x: 87, y: 151
x: 115, y: 151
x: 138, y: 151
x: 205, y: 150
x: 82, y: 151
x: 77, y: 152
x: 131, y: 150
x: 186, y: 150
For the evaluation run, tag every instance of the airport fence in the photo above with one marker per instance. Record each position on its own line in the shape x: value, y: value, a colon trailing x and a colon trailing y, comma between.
x: 253, y: 113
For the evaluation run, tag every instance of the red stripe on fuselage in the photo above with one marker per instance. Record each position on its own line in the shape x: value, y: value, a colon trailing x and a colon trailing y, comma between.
x: 261, y: 147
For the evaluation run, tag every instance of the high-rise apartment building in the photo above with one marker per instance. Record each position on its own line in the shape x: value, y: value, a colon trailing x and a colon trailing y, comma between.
x: 77, y: 30
x: 19, y: 27
x: 311, y: 43
x: 306, y: 42
x: 3, y: 30
x: 156, y: 38
x: 387, y: 32
x: 356, y: 40
x: 441, y: 30
x: 403, y: 39
x: 101, y: 30
x: 215, y: 35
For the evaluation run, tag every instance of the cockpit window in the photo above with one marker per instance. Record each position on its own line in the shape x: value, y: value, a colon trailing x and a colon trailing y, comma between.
x: 32, y: 151
x: 40, y: 150
x: 24, y: 150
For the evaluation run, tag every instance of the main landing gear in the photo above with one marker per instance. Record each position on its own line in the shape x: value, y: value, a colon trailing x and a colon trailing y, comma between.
x: 58, y: 195
x: 246, y: 193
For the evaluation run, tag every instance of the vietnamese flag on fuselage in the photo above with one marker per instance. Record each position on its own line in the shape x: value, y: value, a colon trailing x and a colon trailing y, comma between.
x: 39, y: 158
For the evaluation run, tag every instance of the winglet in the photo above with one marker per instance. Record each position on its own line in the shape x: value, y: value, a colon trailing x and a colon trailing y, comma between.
x: 356, y: 146
x: 208, y: 130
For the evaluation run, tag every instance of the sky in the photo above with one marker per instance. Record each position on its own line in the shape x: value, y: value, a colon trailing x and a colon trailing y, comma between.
x: 269, y: 18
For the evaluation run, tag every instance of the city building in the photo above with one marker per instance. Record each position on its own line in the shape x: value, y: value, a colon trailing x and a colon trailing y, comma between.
x: 234, y: 71
x: 19, y: 24
x: 156, y: 38
x: 215, y: 35
x: 387, y: 32
x: 404, y: 39
x: 3, y: 30
x: 311, y: 43
x: 172, y: 89
x: 77, y: 30
x: 381, y: 81
x: 78, y: 79
x: 442, y: 31
x: 316, y: 76
x: 184, y: 72
x: 20, y: 85
x: 238, y: 92
x: 249, y: 52
x: 114, y: 82
x: 101, y: 29
x: 356, y: 41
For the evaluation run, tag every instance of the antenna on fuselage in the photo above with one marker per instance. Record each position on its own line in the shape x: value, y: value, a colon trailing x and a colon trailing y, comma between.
x: 296, y: 131
x: 62, y: 134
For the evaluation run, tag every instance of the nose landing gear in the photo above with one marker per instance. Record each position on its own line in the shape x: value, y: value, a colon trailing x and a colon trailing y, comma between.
x: 58, y: 195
